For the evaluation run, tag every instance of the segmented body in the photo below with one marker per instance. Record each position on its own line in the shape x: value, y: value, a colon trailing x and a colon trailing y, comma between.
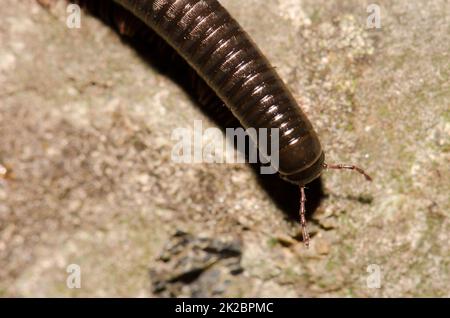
x: 223, y: 54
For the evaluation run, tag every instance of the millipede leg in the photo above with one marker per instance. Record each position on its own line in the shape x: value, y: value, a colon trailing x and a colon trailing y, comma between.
x: 348, y: 167
x: 302, y: 216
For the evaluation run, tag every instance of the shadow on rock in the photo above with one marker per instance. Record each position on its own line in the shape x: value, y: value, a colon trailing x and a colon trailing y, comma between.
x: 160, y: 56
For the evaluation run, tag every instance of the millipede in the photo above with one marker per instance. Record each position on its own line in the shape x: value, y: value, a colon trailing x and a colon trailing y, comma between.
x: 224, y: 56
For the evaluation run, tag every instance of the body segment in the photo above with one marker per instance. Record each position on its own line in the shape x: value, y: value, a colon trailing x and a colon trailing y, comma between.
x: 223, y: 54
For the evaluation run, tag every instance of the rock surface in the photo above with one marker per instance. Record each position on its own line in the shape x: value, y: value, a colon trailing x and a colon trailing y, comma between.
x: 86, y: 175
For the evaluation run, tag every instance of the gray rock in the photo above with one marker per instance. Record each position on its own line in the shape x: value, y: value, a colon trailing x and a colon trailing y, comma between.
x: 85, y: 130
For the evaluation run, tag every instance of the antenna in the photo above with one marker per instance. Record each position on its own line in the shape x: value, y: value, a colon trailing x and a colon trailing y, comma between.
x: 348, y: 167
x: 326, y: 166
